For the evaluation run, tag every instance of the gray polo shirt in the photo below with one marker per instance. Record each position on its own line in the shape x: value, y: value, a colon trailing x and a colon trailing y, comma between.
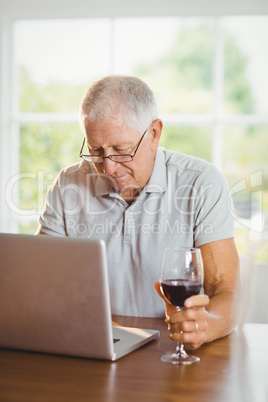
x: 185, y: 203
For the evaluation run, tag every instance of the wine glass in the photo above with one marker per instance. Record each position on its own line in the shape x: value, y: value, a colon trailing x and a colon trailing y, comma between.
x: 181, y: 277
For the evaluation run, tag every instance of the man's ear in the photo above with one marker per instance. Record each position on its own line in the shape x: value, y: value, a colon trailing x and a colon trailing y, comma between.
x: 155, y: 132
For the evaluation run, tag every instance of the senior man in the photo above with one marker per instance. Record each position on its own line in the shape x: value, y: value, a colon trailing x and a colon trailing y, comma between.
x: 140, y: 198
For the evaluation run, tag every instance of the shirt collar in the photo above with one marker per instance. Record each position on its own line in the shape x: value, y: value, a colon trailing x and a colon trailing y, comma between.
x: 158, y: 180
x: 156, y: 184
x: 103, y: 188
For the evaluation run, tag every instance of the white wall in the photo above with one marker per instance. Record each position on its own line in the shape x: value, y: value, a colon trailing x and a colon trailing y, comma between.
x: 124, y: 8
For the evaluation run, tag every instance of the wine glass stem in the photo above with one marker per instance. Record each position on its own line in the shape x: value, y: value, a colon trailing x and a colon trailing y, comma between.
x: 180, y: 352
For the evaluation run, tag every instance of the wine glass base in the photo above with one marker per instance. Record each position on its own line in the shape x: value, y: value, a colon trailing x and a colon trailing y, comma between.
x: 180, y: 359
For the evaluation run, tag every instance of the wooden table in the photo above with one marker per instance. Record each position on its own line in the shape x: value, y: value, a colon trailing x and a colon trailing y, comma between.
x: 232, y: 369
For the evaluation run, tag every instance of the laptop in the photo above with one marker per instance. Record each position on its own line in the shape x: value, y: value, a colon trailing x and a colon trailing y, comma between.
x: 54, y: 298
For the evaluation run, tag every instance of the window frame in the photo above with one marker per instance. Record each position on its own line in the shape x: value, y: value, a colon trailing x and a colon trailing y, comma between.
x: 10, y: 117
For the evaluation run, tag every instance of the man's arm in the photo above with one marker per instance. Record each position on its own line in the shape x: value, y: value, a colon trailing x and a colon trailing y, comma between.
x: 216, y: 311
x: 222, y: 285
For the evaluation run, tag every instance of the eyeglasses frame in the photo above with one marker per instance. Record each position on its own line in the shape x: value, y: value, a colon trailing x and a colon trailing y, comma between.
x: 111, y: 156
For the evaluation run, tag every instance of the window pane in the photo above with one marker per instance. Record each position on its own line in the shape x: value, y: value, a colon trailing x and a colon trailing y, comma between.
x: 194, y: 141
x: 246, y: 65
x: 246, y: 168
x: 166, y: 54
x: 57, y: 59
x: 44, y: 150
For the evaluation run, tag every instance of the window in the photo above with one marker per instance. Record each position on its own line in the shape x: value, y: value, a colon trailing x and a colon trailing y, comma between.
x: 208, y: 74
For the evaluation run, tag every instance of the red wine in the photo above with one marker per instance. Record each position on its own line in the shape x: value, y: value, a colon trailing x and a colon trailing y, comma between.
x: 176, y: 291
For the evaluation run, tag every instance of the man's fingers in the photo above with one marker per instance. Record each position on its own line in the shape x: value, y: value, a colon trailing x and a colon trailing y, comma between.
x: 197, y: 301
x: 157, y: 288
x: 169, y: 308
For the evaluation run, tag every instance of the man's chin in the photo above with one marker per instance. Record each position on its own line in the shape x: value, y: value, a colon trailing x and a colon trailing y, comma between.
x: 118, y: 186
x: 125, y: 190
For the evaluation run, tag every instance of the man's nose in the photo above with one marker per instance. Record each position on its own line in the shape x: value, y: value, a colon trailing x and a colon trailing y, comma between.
x: 109, y: 167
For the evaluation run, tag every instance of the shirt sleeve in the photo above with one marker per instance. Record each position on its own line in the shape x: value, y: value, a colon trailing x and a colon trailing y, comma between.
x: 51, y: 221
x: 213, y: 219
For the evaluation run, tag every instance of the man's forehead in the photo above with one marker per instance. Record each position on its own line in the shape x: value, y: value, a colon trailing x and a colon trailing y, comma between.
x: 105, y: 125
x: 111, y: 132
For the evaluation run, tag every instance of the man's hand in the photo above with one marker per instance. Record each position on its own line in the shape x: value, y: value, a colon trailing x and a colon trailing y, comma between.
x: 188, y: 326
x: 215, y: 312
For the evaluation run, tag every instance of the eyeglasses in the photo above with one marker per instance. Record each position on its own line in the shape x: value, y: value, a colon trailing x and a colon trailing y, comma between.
x: 123, y: 158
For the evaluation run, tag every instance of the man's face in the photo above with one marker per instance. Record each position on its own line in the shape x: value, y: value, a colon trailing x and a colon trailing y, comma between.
x: 114, y: 137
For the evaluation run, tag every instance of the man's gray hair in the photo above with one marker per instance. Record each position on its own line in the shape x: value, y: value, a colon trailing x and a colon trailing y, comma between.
x: 126, y: 98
